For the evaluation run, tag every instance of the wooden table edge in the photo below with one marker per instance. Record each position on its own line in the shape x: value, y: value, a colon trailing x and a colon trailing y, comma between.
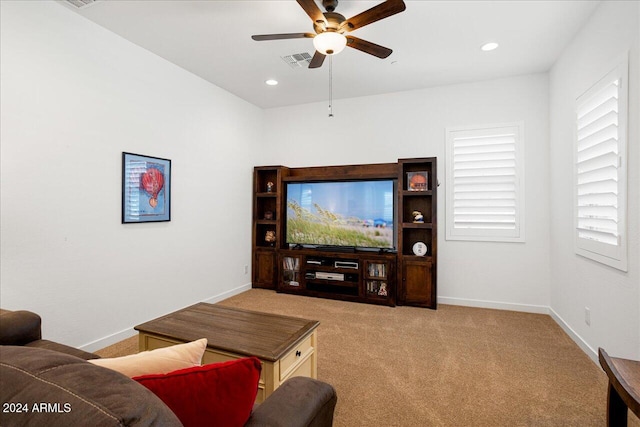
x: 624, y: 390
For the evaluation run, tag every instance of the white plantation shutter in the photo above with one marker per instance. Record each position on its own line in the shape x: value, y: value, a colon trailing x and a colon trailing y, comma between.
x: 600, y: 170
x: 597, y: 166
x: 484, y: 173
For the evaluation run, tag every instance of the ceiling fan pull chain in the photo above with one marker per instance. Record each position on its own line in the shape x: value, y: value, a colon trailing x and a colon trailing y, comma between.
x: 330, y: 85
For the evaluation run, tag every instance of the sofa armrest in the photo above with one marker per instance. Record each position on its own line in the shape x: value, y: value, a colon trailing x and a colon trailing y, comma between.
x: 298, y: 402
x: 19, y: 327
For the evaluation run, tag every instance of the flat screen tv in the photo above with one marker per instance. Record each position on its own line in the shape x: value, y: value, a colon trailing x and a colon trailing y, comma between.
x: 354, y: 214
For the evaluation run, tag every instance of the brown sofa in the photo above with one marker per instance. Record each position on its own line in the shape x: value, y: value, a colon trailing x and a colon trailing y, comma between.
x: 24, y: 328
x: 47, y: 383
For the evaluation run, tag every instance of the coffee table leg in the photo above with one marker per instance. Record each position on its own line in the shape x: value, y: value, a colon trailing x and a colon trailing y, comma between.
x: 616, y: 409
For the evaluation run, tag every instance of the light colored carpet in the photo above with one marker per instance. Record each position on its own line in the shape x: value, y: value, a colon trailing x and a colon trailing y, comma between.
x: 122, y: 348
x: 456, y: 366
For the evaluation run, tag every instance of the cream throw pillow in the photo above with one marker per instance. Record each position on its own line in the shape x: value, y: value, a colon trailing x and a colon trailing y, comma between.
x: 158, y: 361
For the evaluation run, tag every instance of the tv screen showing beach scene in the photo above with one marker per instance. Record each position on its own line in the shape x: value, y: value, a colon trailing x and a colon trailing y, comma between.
x: 357, y: 214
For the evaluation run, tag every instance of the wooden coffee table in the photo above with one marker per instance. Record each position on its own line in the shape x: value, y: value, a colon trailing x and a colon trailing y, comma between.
x: 286, y: 346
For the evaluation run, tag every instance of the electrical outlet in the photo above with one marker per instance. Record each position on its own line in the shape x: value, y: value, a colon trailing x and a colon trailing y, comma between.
x: 587, y: 316
x: 246, y: 269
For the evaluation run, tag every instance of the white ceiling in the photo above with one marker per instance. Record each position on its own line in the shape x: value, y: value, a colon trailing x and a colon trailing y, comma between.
x: 434, y: 43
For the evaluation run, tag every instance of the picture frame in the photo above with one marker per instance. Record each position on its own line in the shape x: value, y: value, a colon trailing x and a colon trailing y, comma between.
x: 146, y: 189
x: 417, y: 181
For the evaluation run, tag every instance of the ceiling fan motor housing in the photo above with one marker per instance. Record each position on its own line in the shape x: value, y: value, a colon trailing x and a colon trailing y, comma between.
x: 333, y: 19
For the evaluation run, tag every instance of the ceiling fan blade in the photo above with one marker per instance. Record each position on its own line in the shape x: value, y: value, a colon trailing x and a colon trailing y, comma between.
x: 376, y: 13
x: 368, y: 47
x: 264, y: 37
x: 317, y: 60
x: 312, y: 9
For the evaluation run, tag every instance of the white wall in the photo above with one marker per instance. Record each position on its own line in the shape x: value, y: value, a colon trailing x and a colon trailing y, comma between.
x: 577, y: 282
x: 381, y: 129
x: 74, y: 97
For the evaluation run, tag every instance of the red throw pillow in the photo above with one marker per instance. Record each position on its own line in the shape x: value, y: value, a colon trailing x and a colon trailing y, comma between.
x: 218, y: 394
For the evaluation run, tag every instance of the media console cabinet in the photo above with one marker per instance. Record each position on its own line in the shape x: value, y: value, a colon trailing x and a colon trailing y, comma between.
x: 361, y: 277
x: 377, y: 277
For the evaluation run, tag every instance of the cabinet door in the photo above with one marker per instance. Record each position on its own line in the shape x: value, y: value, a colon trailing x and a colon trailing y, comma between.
x: 417, y: 283
x: 290, y: 273
x: 264, y: 271
x: 376, y: 280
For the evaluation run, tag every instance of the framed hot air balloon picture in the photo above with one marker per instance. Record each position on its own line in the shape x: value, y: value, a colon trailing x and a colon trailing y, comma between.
x: 146, y: 189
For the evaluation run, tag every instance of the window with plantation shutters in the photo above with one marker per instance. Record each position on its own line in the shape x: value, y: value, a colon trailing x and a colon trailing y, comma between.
x: 484, y: 183
x: 600, y: 170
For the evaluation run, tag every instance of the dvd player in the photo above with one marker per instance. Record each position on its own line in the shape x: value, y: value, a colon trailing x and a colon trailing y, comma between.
x: 329, y: 276
x: 346, y: 264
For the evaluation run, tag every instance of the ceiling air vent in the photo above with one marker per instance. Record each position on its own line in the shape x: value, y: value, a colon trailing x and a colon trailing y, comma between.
x: 81, y: 3
x: 298, y: 60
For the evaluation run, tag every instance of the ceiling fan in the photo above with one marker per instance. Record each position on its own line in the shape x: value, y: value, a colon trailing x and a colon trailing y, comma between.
x: 330, y: 26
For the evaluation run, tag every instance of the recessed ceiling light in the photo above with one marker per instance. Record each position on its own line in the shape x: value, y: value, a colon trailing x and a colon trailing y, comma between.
x: 489, y: 46
x: 271, y: 82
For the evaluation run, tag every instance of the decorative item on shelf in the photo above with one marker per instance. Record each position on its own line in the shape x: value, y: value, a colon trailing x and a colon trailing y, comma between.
x: 269, y: 187
x: 270, y: 237
x: 383, y: 290
x: 420, y: 249
x: 417, y: 181
x: 268, y: 215
x: 417, y: 217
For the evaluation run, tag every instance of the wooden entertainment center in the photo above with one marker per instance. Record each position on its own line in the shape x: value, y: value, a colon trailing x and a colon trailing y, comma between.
x: 362, y: 275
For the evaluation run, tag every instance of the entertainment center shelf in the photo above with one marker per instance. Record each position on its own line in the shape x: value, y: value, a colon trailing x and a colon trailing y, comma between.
x: 404, y: 274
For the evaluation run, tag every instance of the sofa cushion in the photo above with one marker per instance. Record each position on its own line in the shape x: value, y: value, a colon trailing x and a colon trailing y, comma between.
x: 52, y: 345
x: 62, y: 390
x: 218, y: 394
x: 158, y: 361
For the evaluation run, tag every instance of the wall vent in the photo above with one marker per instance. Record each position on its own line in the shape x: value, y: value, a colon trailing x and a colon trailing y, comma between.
x: 80, y: 4
x: 298, y: 60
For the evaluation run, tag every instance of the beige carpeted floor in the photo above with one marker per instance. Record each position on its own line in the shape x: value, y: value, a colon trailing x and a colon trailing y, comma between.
x: 456, y: 366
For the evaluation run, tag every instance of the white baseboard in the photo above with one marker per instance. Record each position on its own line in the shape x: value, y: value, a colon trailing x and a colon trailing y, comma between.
x: 228, y: 294
x: 526, y: 308
x: 129, y: 332
x: 108, y: 340
x: 589, y: 351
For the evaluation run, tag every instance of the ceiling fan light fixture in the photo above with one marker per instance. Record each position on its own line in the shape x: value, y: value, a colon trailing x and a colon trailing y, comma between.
x: 329, y: 42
